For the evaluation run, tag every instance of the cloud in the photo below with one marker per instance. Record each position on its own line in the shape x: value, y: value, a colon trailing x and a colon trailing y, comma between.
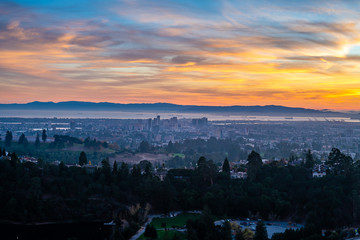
x: 186, y: 59
x: 218, y: 53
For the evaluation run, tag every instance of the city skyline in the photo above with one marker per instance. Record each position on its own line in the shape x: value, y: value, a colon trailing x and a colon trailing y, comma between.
x: 217, y: 53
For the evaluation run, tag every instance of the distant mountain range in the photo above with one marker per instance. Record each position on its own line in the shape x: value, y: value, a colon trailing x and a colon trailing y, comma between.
x: 167, y: 107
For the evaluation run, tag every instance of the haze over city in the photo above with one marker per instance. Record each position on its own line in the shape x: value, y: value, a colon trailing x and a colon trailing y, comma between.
x: 221, y: 53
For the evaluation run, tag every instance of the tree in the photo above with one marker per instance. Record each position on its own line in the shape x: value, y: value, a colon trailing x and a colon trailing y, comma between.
x: 226, y: 231
x: 248, y: 234
x: 40, y: 162
x: 118, y: 234
x: 261, y: 232
x: 37, y: 141
x: 115, y: 168
x: 8, y: 138
x: 3, y: 152
x: 144, y: 146
x: 339, y: 163
x: 136, y: 171
x: 148, y: 170
x: 105, y: 145
x: 226, y: 166
x: 21, y: 139
x: 150, y: 232
x: 153, y: 232
x: 62, y: 166
x: 191, y: 233
x: 44, y: 135
x: 147, y: 231
x: 309, y: 160
x: 82, y: 159
x: 239, y: 235
x: 14, y: 159
x: 254, y: 164
x: 206, y: 169
x: 170, y: 147
x: 106, y: 169
x: 124, y: 170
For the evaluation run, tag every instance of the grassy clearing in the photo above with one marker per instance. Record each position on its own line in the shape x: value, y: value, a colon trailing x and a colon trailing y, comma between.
x: 180, y: 155
x: 179, y: 221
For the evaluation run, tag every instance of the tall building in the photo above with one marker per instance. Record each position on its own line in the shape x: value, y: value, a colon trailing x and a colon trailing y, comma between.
x: 200, y: 122
x: 149, y: 124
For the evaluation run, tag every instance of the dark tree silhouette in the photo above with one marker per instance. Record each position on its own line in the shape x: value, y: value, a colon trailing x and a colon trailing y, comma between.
x: 226, y: 166
x: 14, y: 159
x: 309, y: 160
x: 37, y: 141
x: 206, y: 169
x: 150, y: 232
x: 226, y: 231
x: 8, y: 138
x: 261, y: 232
x: 170, y: 147
x: 239, y: 235
x: 115, y: 168
x: 144, y: 146
x: 82, y: 159
x: 44, y: 135
x: 254, y: 164
x: 106, y: 169
x: 124, y: 170
x: 136, y: 171
x: 339, y: 163
x: 21, y: 139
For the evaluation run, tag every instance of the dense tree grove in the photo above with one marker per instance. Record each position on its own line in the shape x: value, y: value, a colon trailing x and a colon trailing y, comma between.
x: 61, y: 141
x: 213, y: 148
x: 46, y: 192
x: 204, y: 228
x: 63, y: 148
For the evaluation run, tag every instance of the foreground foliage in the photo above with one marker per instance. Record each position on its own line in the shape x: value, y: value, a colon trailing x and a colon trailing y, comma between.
x: 44, y: 192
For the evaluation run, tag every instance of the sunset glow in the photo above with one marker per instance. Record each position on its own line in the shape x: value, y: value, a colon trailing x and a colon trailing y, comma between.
x: 291, y: 53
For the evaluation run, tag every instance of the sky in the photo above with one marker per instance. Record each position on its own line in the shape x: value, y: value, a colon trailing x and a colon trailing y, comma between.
x: 205, y: 52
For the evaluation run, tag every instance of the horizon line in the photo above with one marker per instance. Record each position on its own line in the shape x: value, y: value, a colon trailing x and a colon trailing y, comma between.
x: 76, y: 101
